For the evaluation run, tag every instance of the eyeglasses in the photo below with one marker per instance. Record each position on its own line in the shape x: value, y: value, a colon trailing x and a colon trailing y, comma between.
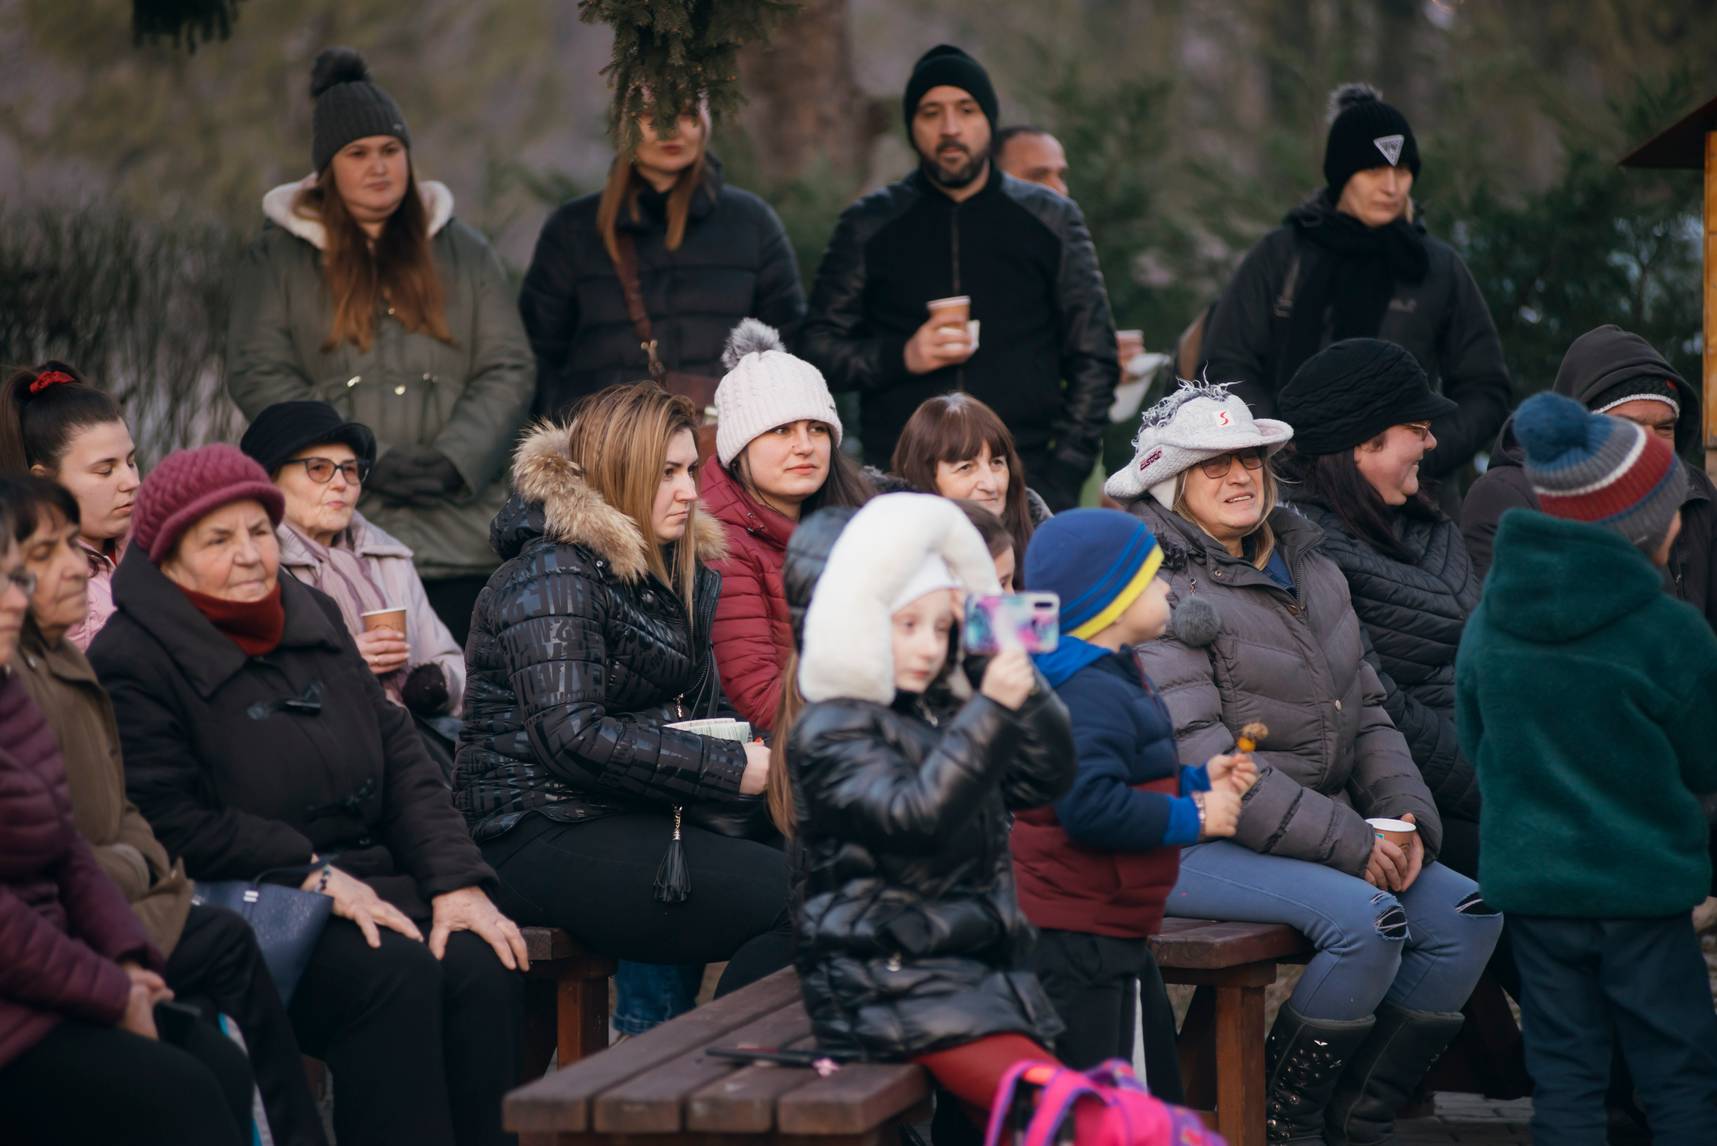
x: 1218, y: 467
x: 321, y: 470
x: 21, y: 579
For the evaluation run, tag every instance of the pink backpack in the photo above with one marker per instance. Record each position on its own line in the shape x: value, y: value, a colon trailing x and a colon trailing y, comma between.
x: 1131, y: 1117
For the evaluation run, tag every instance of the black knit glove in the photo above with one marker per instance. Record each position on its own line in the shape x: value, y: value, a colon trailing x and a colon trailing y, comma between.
x: 425, y: 690
x: 413, y: 475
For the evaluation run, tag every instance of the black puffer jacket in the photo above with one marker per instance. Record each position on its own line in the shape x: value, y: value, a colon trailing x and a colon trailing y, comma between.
x: 1595, y: 362
x: 910, y: 938
x: 735, y: 262
x: 1442, y: 319
x: 1023, y: 255
x: 577, y: 657
x: 1413, y: 613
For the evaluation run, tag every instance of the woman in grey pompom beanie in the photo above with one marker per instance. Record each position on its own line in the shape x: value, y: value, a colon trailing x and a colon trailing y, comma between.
x: 778, y: 460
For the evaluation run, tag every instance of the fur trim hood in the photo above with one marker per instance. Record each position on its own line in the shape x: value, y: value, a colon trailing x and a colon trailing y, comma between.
x: 277, y: 206
x: 551, y: 499
x: 848, y: 650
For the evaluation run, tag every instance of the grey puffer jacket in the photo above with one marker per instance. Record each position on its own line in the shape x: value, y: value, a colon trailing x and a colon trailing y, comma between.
x: 1414, y: 612
x: 1296, y: 662
x: 467, y: 399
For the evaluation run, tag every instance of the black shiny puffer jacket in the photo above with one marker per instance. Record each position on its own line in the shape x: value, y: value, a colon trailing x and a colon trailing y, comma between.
x: 1413, y: 613
x: 909, y: 936
x: 577, y: 657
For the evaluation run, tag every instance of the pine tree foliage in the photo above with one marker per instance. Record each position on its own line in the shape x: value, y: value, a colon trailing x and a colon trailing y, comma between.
x: 184, y: 22
x: 673, y: 53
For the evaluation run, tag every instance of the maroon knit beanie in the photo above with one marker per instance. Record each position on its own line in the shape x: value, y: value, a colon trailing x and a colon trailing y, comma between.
x: 190, y: 484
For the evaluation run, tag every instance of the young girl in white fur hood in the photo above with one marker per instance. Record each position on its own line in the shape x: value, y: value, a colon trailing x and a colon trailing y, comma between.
x: 910, y: 943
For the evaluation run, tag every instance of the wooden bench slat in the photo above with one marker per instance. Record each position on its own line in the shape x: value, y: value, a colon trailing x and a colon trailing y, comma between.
x: 1208, y: 945
x: 857, y: 1098
x: 654, y: 1102
x: 744, y: 1101
x: 562, y: 1100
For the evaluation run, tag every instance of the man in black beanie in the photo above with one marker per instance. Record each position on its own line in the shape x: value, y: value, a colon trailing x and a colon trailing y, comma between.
x: 1040, y: 347
x: 1352, y: 262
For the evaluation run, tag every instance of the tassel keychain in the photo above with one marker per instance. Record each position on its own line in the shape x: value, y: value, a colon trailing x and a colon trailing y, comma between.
x: 673, y: 877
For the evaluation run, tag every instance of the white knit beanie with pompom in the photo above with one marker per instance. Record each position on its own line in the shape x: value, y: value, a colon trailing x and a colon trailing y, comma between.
x: 766, y: 387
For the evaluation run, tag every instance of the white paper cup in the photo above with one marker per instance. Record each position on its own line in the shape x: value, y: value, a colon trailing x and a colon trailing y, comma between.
x: 1398, y: 832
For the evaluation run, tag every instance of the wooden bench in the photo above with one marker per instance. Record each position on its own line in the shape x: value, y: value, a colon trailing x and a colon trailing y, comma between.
x: 1221, y: 1042
x: 660, y: 1087
x: 566, y: 1001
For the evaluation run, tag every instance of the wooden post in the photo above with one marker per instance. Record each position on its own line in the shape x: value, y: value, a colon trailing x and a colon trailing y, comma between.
x: 1710, y: 299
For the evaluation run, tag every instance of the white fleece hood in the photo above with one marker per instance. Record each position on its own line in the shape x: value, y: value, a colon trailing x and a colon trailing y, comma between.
x: 848, y: 644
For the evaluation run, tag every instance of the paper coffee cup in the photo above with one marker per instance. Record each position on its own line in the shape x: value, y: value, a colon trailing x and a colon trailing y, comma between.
x: 955, y: 310
x: 1397, y: 832
x: 393, y: 618
x: 717, y: 729
x: 1129, y: 343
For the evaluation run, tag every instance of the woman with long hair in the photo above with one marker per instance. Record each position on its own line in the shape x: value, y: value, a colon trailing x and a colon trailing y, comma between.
x: 365, y: 292
x: 695, y: 254
x: 956, y: 446
x: 778, y: 460
x: 1362, y: 411
x: 56, y: 425
x: 590, y: 644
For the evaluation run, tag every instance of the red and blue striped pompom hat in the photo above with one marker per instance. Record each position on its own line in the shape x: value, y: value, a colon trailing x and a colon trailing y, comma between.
x: 1598, y: 469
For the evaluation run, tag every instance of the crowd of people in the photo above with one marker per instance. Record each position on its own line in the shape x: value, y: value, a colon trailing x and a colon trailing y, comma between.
x: 1298, y: 679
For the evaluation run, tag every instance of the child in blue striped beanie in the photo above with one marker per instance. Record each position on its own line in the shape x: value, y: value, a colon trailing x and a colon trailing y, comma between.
x: 1095, y: 868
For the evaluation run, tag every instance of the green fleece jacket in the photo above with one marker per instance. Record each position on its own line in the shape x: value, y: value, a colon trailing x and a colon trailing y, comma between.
x: 1587, y: 699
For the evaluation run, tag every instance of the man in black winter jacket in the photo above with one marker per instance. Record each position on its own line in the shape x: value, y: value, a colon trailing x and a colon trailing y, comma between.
x: 1352, y: 262
x: 1045, y: 355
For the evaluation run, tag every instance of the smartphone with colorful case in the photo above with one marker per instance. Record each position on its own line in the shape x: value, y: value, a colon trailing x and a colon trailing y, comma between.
x: 998, y: 621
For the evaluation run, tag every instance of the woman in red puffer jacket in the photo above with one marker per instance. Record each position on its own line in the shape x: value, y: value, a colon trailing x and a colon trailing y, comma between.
x: 778, y: 459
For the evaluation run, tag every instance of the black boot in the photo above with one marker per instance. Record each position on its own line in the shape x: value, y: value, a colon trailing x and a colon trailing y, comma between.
x: 1303, y: 1060
x: 1382, y: 1074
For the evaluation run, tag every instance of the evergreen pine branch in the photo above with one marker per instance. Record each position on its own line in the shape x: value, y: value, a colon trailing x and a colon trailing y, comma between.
x: 672, y: 53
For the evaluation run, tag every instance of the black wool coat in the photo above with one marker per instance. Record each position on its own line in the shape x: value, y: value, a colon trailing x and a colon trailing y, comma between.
x: 1413, y: 612
x: 909, y: 935
x: 735, y: 262
x: 578, y: 656
x: 243, y: 765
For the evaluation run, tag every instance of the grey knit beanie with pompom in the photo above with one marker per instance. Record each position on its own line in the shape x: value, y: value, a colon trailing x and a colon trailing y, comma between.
x: 348, y: 106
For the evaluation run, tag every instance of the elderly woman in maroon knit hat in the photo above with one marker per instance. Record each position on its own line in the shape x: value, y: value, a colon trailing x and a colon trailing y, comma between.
x: 260, y: 746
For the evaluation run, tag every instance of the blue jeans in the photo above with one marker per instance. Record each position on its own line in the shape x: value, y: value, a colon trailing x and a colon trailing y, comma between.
x: 1646, y: 980
x: 1423, y: 949
x: 649, y: 994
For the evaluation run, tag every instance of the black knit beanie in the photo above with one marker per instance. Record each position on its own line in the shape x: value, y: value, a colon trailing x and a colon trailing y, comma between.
x: 1351, y: 391
x: 946, y: 64
x: 1365, y: 132
x: 348, y: 106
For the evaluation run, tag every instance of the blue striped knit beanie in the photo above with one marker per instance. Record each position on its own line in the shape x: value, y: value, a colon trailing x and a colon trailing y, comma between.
x: 1097, y: 560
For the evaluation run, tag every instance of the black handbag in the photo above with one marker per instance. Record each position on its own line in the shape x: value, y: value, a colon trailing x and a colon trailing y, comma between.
x: 287, y: 921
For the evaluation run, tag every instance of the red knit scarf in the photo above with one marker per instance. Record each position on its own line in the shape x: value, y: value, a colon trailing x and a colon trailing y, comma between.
x: 254, y: 626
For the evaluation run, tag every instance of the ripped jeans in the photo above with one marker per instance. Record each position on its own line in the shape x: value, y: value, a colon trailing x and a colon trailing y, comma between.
x: 1423, y: 949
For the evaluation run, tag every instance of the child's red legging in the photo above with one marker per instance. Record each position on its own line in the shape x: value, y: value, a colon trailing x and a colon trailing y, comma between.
x: 971, y: 1072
